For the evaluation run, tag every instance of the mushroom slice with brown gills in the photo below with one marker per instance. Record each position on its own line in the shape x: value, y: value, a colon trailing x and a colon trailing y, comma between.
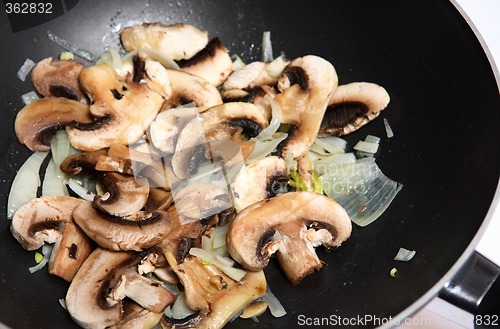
x: 94, y: 297
x: 255, y: 74
x: 189, y: 88
x: 137, y: 232
x: 135, y: 316
x: 177, y: 41
x: 212, y: 63
x: 123, y: 110
x: 215, y: 297
x: 49, y: 219
x: 198, y: 201
x: 125, y: 194
x: 219, y: 123
x: 58, y: 78
x: 38, y: 121
x: 352, y: 106
x: 291, y: 225
x: 80, y: 163
x: 306, y: 86
x: 260, y: 180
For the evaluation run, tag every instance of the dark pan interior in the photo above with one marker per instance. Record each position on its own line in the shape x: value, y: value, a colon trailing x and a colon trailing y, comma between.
x: 444, y: 111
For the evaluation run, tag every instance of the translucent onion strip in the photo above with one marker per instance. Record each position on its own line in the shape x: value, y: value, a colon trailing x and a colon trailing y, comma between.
x: 81, y: 191
x: 26, y: 183
x: 267, y: 48
x: 25, y: 69
x: 361, y: 188
x: 275, y: 306
x: 52, y: 182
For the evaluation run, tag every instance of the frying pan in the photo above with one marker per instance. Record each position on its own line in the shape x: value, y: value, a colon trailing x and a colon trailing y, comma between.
x: 444, y: 111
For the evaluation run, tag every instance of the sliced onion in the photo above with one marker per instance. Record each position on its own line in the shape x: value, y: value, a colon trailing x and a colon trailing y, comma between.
x: 366, y: 147
x: 361, y: 188
x: 237, y: 62
x: 112, y: 58
x: 276, y: 119
x: 81, y: 191
x: 62, y: 302
x: 52, y: 181
x: 267, y: 47
x: 323, y: 165
x: 275, y: 306
x: 25, y: 69
x: 276, y: 67
x: 46, y: 251
x: 335, y: 141
x: 25, y: 185
x: 30, y: 97
x: 61, y: 148
x: 264, y: 148
x: 234, y: 273
x: 329, y: 147
x: 157, y: 55
x: 179, y: 309
x: 404, y: 255
x: 388, y: 129
x: 69, y: 47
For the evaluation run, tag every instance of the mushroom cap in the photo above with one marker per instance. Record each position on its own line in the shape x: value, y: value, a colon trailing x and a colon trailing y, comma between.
x: 38, y: 121
x: 212, y: 63
x: 115, y: 108
x: 40, y: 220
x: 86, y: 296
x: 264, y: 227
x: 199, y: 200
x: 178, y: 41
x: 258, y: 181
x: 125, y: 194
x: 58, y: 79
x: 352, y: 106
x: 138, y: 232
x: 306, y: 86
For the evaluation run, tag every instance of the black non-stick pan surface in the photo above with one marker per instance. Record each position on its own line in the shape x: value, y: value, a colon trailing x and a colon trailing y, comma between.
x: 444, y: 111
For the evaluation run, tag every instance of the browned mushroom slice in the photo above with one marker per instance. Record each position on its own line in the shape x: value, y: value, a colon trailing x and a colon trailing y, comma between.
x: 125, y: 195
x: 94, y: 298
x: 58, y: 79
x: 216, y: 304
x: 306, y: 86
x: 49, y: 219
x: 291, y: 225
x: 119, y: 165
x: 115, y: 104
x: 81, y: 162
x: 352, y: 106
x: 178, y: 41
x: 38, y: 121
x: 219, y: 123
x: 138, y: 232
x: 198, y: 201
x: 260, y: 180
x: 70, y: 250
x: 212, y: 63
x: 189, y: 88
x: 135, y: 316
x: 40, y: 220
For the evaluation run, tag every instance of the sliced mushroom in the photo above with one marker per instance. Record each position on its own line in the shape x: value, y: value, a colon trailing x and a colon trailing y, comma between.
x: 178, y: 41
x: 125, y: 195
x: 119, y: 165
x: 200, y: 201
x: 135, y: 316
x: 352, y: 106
x: 158, y: 199
x: 84, y: 162
x: 40, y: 220
x: 212, y: 63
x: 256, y: 74
x: 88, y: 299
x: 138, y: 232
x: 291, y: 225
x: 217, y: 303
x: 70, y: 250
x: 49, y: 219
x: 306, y: 86
x: 219, y: 123
x: 38, y: 121
x: 115, y: 108
x: 58, y: 79
x: 260, y: 180
x: 189, y: 88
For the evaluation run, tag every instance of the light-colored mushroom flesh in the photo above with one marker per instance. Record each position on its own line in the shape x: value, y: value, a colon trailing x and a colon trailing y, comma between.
x: 290, y: 225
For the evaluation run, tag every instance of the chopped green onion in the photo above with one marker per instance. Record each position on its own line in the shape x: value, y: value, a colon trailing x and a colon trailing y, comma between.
x: 393, y: 272
x: 297, y: 182
x: 318, y: 183
x: 38, y: 257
